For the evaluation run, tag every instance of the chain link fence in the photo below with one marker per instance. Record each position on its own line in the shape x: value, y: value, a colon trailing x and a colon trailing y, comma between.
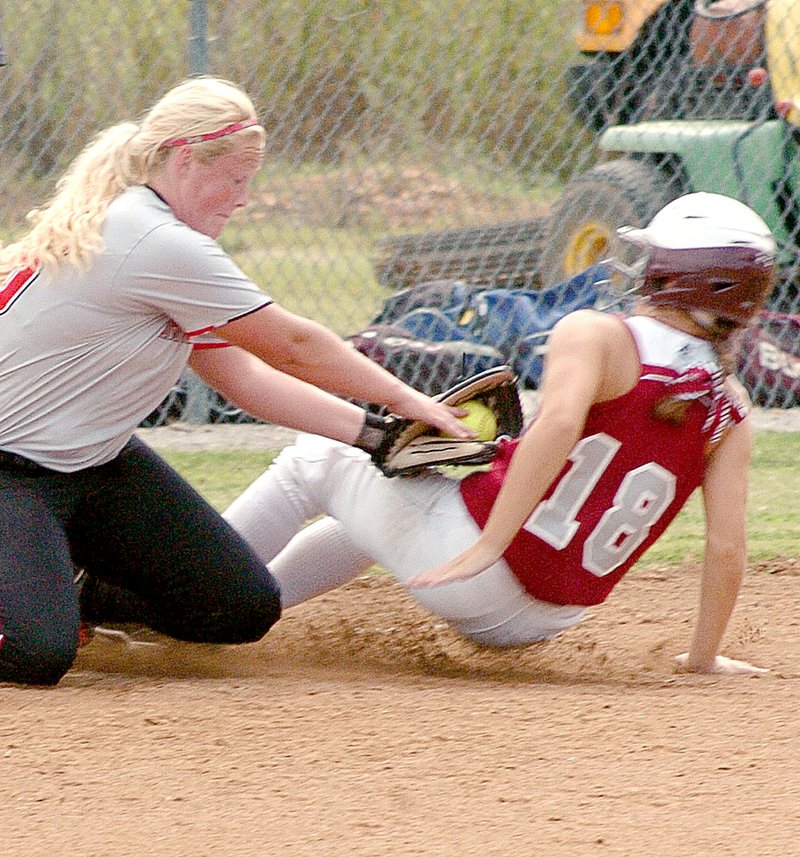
x: 486, y: 144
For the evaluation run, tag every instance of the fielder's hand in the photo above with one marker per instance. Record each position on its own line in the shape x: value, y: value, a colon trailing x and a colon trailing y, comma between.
x: 400, y: 446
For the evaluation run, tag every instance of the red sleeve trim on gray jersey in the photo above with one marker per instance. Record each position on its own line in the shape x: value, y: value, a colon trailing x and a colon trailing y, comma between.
x: 203, y: 330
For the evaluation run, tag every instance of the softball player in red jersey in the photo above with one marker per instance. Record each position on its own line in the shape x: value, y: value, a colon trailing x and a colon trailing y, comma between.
x: 103, y: 303
x: 633, y: 415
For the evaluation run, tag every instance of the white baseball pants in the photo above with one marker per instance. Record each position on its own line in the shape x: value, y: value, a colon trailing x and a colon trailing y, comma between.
x: 405, y: 525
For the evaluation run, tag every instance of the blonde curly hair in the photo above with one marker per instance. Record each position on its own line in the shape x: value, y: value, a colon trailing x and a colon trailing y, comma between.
x: 67, y: 229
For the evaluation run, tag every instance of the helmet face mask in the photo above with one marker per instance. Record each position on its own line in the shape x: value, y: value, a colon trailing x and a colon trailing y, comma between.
x: 707, y: 252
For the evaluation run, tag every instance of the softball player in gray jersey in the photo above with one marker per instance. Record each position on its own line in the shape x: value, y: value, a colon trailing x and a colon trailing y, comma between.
x: 119, y: 284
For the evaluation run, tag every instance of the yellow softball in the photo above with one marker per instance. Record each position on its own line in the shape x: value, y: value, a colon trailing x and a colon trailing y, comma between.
x: 480, y: 419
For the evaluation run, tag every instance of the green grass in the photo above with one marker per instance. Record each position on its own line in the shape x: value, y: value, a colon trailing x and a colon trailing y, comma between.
x: 319, y: 259
x: 219, y: 476
x: 774, y: 533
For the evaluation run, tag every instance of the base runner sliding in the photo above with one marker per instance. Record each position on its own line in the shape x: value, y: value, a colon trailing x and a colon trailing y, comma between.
x: 634, y: 414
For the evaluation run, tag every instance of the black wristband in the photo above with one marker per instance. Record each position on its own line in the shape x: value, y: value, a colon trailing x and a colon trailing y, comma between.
x: 373, y: 433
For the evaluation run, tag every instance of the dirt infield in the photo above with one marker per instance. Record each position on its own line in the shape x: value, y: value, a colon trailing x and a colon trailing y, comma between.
x: 359, y: 726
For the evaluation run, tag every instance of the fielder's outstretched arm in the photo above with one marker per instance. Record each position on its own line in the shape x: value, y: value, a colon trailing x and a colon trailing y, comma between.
x: 311, y: 352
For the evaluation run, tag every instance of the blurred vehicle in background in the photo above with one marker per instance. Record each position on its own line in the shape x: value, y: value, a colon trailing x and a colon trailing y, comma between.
x: 692, y: 137
x: 645, y: 59
x: 686, y: 95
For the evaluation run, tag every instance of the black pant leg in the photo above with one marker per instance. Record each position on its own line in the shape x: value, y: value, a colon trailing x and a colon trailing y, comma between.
x: 38, y: 603
x: 145, y: 529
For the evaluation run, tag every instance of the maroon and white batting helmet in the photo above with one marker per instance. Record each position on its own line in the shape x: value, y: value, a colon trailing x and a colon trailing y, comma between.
x: 709, y: 252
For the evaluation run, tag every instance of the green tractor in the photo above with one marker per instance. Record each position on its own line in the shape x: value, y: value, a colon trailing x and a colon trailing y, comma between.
x: 754, y: 159
x: 655, y: 162
x: 640, y: 59
x: 646, y: 164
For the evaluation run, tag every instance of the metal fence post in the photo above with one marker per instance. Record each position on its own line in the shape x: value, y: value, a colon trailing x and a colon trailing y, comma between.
x: 199, y: 398
x: 3, y: 58
x: 198, y: 37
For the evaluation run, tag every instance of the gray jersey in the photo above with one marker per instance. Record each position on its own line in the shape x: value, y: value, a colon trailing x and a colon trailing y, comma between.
x: 86, y: 356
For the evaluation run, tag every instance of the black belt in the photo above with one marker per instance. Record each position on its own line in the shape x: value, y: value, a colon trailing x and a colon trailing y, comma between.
x: 12, y: 461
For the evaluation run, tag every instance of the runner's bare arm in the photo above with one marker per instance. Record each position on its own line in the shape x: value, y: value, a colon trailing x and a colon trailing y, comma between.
x: 725, y: 488
x: 572, y: 380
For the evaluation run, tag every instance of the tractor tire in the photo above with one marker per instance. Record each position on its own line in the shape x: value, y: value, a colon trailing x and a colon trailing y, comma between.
x: 581, y: 228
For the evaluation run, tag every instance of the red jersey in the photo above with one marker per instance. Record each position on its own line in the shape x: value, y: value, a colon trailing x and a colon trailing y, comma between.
x: 626, y: 478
